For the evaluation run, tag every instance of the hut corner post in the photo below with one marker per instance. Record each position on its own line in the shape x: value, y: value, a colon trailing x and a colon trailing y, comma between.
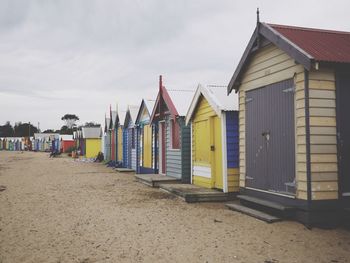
x: 307, y: 134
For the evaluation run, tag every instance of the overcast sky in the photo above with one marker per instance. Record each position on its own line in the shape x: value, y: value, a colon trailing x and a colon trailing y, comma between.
x: 79, y: 57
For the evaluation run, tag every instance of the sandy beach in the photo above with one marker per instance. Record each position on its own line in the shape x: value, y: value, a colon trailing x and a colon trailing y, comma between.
x: 59, y: 210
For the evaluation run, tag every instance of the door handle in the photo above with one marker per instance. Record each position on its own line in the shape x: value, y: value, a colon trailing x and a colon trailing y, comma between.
x: 212, y: 148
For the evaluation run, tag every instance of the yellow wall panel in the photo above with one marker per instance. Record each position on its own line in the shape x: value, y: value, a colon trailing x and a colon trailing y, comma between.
x: 147, y: 146
x: 120, y: 144
x: 93, y: 147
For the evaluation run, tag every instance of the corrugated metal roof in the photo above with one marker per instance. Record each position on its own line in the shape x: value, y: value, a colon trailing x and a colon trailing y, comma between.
x: 91, y: 132
x: 134, y: 109
x: 217, y: 98
x: 223, y: 101
x: 181, y: 100
x: 149, y: 105
x: 107, y: 122
x: 322, y: 45
x: 121, y: 115
x: 114, y: 117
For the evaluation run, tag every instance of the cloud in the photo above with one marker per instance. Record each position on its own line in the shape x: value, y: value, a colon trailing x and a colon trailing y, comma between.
x: 80, y: 56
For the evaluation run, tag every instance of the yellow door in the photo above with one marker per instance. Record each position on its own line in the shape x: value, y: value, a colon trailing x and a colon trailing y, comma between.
x: 120, y: 144
x: 147, y: 146
x: 216, y: 148
x: 201, y: 143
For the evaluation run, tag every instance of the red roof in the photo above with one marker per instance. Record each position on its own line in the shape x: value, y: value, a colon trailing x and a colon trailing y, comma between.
x: 322, y: 45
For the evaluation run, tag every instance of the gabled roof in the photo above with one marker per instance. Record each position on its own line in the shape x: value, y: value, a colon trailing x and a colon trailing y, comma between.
x: 217, y: 98
x: 107, y: 123
x: 113, y: 119
x: 322, y: 45
x: 181, y: 99
x: 148, y: 105
x: 131, y: 114
x: 91, y: 132
x: 306, y: 45
x: 176, y: 101
x: 121, y: 118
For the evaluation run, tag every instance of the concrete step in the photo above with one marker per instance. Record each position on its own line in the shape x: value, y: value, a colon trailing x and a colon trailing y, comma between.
x: 254, y: 213
x: 264, y: 203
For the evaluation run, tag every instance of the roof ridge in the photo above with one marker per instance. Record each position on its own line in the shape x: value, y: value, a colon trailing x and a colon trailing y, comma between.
x: 320, y: 30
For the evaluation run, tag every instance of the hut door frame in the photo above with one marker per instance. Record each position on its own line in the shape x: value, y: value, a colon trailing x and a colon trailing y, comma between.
x: 343, y: 128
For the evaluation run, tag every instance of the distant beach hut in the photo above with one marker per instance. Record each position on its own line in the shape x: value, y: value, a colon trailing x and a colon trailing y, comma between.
x: 130, y: 135
x: 172, y: 141
x: 107, y: 140
x: 92, y: 141
x: 144, y: 138
x: 113, y: 133
x: 66, y: 142
x: 213, y: 117
x: 120, y: 138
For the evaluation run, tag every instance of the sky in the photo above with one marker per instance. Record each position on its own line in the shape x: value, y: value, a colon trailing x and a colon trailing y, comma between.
x: 81, y: 56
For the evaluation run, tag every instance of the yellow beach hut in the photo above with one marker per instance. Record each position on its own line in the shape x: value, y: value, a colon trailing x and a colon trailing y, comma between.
x: 213, y: 117
x: 92, y: 139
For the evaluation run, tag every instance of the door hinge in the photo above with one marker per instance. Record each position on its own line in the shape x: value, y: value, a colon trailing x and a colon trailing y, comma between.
x: 291, y: 89
x: 247, y: 100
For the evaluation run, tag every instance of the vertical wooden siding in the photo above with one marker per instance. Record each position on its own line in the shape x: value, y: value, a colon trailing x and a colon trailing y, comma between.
x: 125, y: 147
x: 185, y: 145
x: 120, y: 144
x: 269, y: 65
x: 93, y: 146
x: 232, y: 140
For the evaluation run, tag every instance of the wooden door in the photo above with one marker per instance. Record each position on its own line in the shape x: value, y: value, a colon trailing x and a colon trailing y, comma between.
x: 270, y: 138
x: 147, y: 146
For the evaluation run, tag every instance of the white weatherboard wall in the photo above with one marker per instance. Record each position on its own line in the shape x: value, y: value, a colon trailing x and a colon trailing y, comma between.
x: 133, y: 159
x: 173, y: 156
x: 203, y: 171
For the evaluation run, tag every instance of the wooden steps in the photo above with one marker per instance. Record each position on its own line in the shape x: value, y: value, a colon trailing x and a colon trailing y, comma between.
x: 154, y: 180
x: 264, y: 203
x: 193, y: 194
x: 124, y: 170
x: 253, y: 213
x: 262, y: 209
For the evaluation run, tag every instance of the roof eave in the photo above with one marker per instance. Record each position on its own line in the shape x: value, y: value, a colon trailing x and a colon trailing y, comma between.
x: 277, y: 39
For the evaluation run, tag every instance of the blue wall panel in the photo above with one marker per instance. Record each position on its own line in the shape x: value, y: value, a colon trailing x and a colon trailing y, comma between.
x: 232, y: 134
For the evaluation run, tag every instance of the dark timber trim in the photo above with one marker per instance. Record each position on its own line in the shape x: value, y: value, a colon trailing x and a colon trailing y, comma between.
x: 337, y: 108
x: 265, y: 30
x: 155, y: 125
x: 307, y: 135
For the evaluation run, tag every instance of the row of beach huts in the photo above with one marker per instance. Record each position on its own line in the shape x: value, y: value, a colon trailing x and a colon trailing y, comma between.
x: 276, y: 138
x: 40, y: 142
